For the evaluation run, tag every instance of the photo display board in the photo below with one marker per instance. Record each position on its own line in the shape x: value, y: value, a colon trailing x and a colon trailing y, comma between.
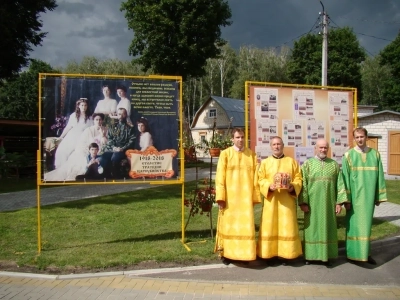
x: 132, y: 121
x: 300, y: 116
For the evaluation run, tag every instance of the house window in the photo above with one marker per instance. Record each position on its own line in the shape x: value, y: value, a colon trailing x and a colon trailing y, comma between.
x: 212, y: 113
x: 203, y: 139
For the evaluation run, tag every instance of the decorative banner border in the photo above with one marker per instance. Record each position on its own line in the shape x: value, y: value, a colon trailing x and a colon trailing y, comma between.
x: 151, y: 163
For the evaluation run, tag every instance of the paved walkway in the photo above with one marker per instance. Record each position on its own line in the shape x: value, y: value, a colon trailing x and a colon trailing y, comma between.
x: 346, y: 281
x: 120, y: 287
x: 60, y: 194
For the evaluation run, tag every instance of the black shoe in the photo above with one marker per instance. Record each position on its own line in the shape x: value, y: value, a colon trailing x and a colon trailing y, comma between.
x: 328, y: 263
x: 226, y: 261
x: 371, y: 260
x: 270, y: 261
x: 351, y: 261
x: 284, y: 262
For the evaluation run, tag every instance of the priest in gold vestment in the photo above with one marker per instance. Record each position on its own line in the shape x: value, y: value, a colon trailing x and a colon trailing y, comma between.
x: 236, y: 194
x: 280, y: 182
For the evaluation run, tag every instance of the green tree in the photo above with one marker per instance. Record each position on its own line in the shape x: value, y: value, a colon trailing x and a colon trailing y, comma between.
x: 19, y: 95
x: 211, y: 75
x: 226, y: 62
x: 344, y: 59
x: 176, y: 37
x: 255, y: 64
x: 93, y: 65
x: 304, y: 66
x: 376, y: 79
x: 390, y: 59
x: 220, y: 73
x: 192, y: 97
x: 20, y: 30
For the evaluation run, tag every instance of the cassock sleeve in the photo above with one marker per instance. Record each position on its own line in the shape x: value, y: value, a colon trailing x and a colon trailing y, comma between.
x: 346, y: 175
x: 263, y: 181
x: 297, y: 181
x: 220, y: 177
x: 256, y: 190
x: 340, y: 188
x: 381, y: 188
x: 303, y: 196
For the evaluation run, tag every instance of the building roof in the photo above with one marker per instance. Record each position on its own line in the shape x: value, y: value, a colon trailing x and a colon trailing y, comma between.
x: 367, y: 106
x: 378, y: 113
x: 234, y: 108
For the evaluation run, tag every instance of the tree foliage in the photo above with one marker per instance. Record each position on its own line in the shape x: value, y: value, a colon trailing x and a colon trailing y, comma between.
x: 226, y: 62
x: 20, y: 30
x: 304, y: 66
x: 93, y: 65
x: 19, y: 96
x: 390, y: 59
x: 376, y: 80
x: 176, y: 37
x: 220, y: 72
x: 344, y: 59
x: 255, y: 64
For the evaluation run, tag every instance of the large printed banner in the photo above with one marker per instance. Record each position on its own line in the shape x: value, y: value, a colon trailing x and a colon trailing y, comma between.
x: 300, y: 116
x: 108, y: 129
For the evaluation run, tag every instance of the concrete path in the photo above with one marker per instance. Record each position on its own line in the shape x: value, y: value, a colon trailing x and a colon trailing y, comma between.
x: 60, y: 194
x: 256, y: 281
x: 389, y: 212
x: 119, y: 287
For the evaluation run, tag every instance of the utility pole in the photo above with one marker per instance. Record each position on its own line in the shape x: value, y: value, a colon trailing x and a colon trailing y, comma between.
x: 324, y: 81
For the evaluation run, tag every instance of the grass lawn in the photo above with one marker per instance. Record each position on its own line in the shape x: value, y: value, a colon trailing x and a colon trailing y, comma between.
x: 130, y: 230
x: 9, y: 185
x: 393, y: 191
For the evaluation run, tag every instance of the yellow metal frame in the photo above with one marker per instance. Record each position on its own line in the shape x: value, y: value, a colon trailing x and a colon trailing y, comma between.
x: 40, y: 182
x: 304, y: 86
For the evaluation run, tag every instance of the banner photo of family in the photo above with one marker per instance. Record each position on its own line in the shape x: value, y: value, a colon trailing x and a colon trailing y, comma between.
x: 109, y: 129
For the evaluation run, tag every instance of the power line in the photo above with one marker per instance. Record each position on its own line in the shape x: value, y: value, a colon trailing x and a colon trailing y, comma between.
x: 301, y: 35
x: 375, y: 37
x: 316, y: 22
x: 358, y: 43
x: 370, y: 21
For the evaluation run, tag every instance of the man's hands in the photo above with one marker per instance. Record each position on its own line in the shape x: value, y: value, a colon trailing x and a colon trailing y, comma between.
x: 304, y: 207
x: 117, y: 149
x: 273, y: 187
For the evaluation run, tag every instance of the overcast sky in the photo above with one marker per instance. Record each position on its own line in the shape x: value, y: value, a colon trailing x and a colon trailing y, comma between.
x: 78, y: 28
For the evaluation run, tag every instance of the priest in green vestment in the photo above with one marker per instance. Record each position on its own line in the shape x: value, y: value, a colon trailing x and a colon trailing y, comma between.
x: 365, y: 184
x: 320, y: 199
